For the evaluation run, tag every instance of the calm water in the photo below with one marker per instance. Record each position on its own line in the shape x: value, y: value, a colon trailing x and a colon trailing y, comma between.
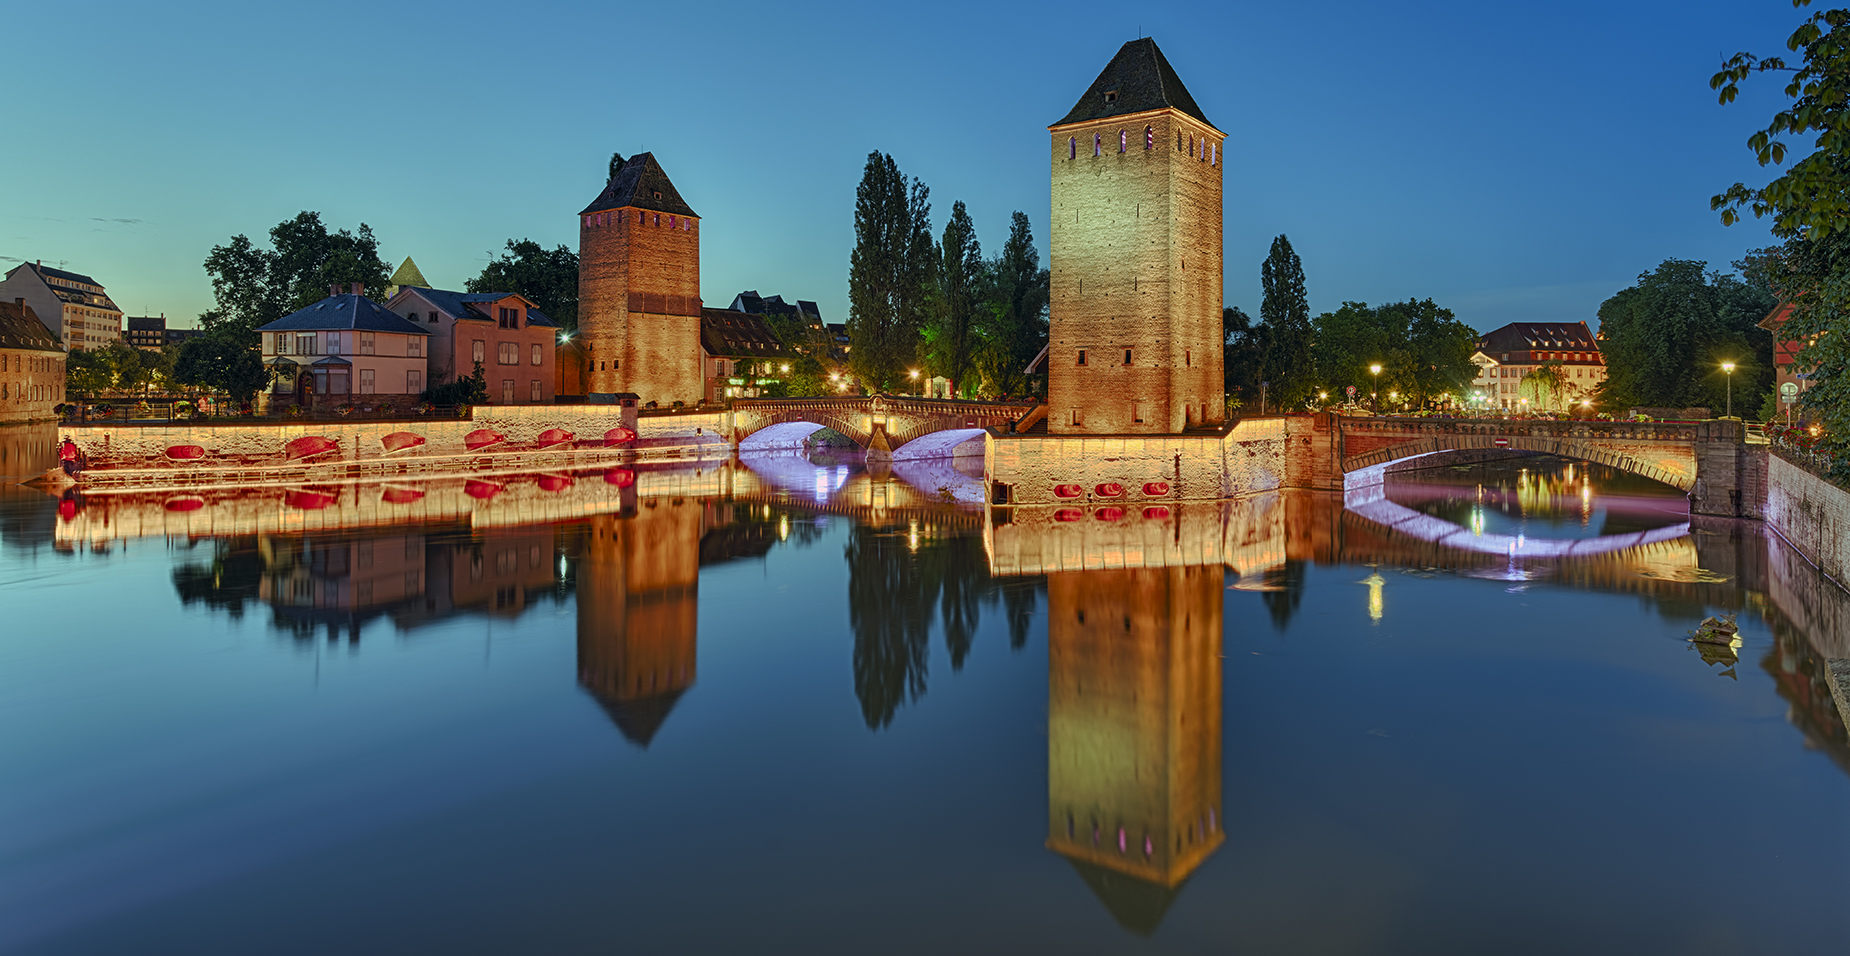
x: 790, y: 707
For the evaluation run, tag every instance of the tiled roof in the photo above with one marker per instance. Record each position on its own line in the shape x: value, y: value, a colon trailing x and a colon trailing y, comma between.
x: 20, y: 328
x: 51, y: 273
x: 641, y: 184
x: 729, y: 334
x: 1523, y: 336
x: 1137, y: 80
x: 458, y: 304
x: 344, y: 311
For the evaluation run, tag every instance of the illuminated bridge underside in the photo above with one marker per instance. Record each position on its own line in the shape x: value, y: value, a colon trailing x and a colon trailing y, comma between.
x: 1673, y: 463
x: 1371, y: 502
x: 882, y: 424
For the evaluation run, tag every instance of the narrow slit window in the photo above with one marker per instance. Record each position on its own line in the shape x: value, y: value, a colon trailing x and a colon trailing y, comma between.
x: 1082, y: 356
x: 1123, y: 139
x: 1127, y: 356
x: 1098, y: 143
x: 1072, y: 147
x: 1149, y: 137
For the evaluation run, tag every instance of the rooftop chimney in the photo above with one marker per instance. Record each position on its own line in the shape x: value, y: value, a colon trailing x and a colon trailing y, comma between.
x: 334, y: 289
x: 359, y: 288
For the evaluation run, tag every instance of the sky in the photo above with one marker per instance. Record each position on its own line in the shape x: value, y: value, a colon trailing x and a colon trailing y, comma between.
x: 1513, y: 162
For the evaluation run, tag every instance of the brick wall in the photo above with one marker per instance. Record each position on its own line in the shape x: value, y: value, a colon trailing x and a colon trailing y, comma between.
x: 1135, y: 260
x: 31, y: 383
x: 1251, y: 457
x: 639, y: 304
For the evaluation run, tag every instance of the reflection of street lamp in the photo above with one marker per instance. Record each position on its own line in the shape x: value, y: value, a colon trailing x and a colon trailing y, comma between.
x: 1728, y: 368
x: 1374, y: 391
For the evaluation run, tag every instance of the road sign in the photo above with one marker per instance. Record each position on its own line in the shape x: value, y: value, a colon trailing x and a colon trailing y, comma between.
x: 1351, y: 391
x: 1788, y: 399
x: 1788, y: 388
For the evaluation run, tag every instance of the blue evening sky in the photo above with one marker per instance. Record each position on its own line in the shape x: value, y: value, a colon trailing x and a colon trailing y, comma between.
x: 1515, y: 162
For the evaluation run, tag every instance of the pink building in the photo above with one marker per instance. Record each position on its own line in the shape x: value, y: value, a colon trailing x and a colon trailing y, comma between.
x: 513, y: 341
x: 345, y: 348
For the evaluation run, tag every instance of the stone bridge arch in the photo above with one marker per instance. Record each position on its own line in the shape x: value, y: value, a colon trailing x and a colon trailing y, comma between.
x: 1663, y: 452
x: 879, y: 423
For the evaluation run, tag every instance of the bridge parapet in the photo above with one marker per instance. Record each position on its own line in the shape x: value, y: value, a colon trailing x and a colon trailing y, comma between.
x: 881, y: 423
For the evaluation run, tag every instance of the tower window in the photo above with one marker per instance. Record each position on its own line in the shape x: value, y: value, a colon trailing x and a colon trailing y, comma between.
x: 671, y: 222
x: 1082, y: 356
x: 1111, y: 97
x: 1122, y: 140
x: 1097, y: 142
x: 1127, y: 356
x: 1213, y: 154
x: 658, y: 219
x: 642, y: 218
x: 1149, y: 137
x: 1072, y: 147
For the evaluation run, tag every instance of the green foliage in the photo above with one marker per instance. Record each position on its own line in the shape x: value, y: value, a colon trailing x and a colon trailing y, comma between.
x: 87, y: 373
x: 1285, y: 312
x: 951, y: 339
x: 889, y: 273
x: 1423, y: 350
x: 1664, y: 340
x: 549, y: 278
x: 616, y: 163
x: 1812, y: 199
x: 224, y: 361
x: 1013, y: 314
x: 1771, y: 410
x: 1544, y: 387
x: 1243, y: 350
x: 470, y: 390
x: 255, y: 286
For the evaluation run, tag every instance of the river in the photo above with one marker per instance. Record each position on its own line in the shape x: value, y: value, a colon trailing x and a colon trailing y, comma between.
x: 784, y: 705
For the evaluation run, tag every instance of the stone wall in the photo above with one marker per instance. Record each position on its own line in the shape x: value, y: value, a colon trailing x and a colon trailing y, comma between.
x: 31, y: 383
x: 1249, y: 457
x: 1810, y: 513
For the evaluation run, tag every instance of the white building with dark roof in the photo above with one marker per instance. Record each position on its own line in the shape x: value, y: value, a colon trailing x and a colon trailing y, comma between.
x: 347, y: 348
x: 1507, y: 356
x: 74, y: 307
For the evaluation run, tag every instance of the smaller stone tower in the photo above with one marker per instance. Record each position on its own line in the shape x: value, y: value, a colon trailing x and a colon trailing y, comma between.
x: 639, y: 287
x: 1135, y: 299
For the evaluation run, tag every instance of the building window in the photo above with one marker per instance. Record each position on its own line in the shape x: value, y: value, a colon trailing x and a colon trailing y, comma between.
x: 538, y: 354
x: 507, y: 391
x: 333, y: 343
x: 507, y: 353
x: 477, y: 350
x: 282, y: 343
x: 433, y: 318
x: 642, y: 218
x: 534, y: 389
x: 671, y: 222
x: 658, y: 218
x: 1082, y: 356
x: 509, y: 319
x: 1097, y: 144
x: 1072, y: 147
x: 1137, y: 414
x: 366, y: 343
x: 414, y: 382
x: 414, y: 346
x: 1073, y: 417
x: 366, y: 381
x: 1213, y: 154
x: 305, y: 344
x: 1123, y: 140
x: 1127, y: 356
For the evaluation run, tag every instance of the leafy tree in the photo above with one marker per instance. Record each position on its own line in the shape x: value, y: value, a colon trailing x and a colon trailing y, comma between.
x: 471, y: 389
x: 1243, y: 352
x: 222, y: 360
x: 616, y: 163
x: 549, y: 278
x: 1441, y: 347
x: 254, y: 286
x: 1543, y: 386
x: 889, y: 272
x: 87, y: 373
x: 1285, y: 311
x: 1014, y: 312
x: 1664, y: 339
x: 1812, y: 199
x: 951, y: 339
x: 1423, y: 350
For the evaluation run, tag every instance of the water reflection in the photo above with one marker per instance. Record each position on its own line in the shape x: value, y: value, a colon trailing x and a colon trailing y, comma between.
x: 1535, y: 496
x: 1134, y: 731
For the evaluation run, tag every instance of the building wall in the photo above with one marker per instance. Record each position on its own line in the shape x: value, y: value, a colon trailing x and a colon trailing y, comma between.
x: 389, y: 362
x: 31, y: 384
x: 523, y: 373
x: 1136, y: 264
x: 639, y: 304
x: 441, y: 346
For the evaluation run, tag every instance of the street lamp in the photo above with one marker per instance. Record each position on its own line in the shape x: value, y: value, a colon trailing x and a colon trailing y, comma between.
x: 915, y: 379
x: 1728, y: 368
x: 1374, y: 391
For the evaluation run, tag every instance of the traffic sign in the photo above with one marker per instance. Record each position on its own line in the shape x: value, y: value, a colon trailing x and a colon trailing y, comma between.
x: 1351, y: 391
x: 1788, y: 388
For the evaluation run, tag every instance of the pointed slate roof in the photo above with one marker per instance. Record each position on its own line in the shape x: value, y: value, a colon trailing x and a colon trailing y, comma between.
x: 408, y: 275
x: 1142, y: 81
x: 641, y: 184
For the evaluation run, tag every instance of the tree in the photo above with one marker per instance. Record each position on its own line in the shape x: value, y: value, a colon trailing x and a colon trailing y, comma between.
x: 616, y: 163
x: 222, y: 360
x: 1664, y: 339
x: 951, y: 340
x: 1441, y: 347
x: 1243, y: 350
x: 889, y: 272
x: 253, y: 286
x: 471, y: 389
x: 548, y: 278
x: 1014, y: 312
x: 87, y: 373
x: 1285, y: 311
x: 1543, y: 386
x: 1812, y: 199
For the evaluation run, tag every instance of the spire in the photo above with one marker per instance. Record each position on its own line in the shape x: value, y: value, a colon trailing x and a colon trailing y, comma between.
x: 1137, y: 80
x: 406, y: 276
x: 641, y: 184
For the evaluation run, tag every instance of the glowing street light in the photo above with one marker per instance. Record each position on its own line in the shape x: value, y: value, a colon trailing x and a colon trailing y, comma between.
x: 1374, y: 394
x: 785, y: 368
x: 1728, y: 369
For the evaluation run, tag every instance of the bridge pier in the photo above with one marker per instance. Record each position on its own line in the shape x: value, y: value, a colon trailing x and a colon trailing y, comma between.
x: 1731, y: 475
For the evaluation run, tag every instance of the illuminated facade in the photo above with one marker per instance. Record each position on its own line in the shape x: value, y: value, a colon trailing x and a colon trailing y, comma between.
x: 1135, y: 310
x: 639, y: 288
x: 1506, y: 357
x: 31, y: 366
x: 74, y: 307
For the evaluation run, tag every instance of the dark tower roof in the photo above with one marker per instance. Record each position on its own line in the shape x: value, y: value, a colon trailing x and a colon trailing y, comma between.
x: 642, y: 184
x: 1142, y: 79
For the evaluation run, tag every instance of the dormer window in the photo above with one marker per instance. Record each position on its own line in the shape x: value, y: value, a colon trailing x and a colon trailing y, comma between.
x: 1111, y: 98
x: 658, y: 195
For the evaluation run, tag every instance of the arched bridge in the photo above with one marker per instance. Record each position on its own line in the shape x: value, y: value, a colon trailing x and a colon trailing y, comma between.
x: 882, y: 424
x: 1711, y: 460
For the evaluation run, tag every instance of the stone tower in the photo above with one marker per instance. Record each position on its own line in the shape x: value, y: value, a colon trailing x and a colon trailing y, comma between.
x: 1134, y: 731
x: 1135, y: 310
x: 639, y: 287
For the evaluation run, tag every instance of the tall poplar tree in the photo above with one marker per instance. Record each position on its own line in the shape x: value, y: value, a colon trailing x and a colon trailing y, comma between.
x: 1015, y: 314
x: 1285, y: 311
x: 889, y: 273
x: 951, y: 340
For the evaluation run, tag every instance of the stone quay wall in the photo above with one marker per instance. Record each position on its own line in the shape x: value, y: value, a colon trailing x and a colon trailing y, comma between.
x: 1249, y: 457
x: 689, y: 433
x: 1810, y: 513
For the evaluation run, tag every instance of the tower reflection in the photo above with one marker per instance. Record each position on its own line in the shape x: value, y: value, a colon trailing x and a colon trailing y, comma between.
x: 1133, y: 731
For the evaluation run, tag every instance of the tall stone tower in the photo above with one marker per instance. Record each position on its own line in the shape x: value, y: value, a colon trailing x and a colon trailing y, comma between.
x: 639, y: 287
x: 1134, y: 731
x: 1135, y: 310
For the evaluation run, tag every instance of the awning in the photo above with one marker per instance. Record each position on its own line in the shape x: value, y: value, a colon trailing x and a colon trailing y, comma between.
x: 281, y: 361
x: 333, y: 360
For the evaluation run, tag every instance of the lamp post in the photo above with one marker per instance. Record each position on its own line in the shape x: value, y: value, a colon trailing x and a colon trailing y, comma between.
x: 1728, y: 369
x: 1374, y: 391
x: 915, y: 381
